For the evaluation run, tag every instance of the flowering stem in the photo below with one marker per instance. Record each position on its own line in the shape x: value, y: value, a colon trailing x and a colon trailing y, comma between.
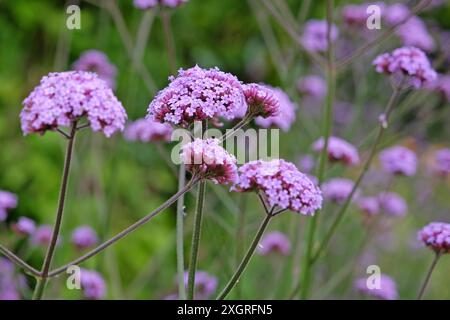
x: 180, y: 234
x: 327, y: 124
x: 428, y: 276
x: 237, y: 274
x: 11, y: 256
x: 343, y: 209
x: 128, y: 230
x: 41, y: 282
x: 170, y: 43
x: 230, y: 133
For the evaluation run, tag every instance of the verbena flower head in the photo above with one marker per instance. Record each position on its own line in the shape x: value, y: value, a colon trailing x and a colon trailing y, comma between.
x: 197, y: 94
x: 8, y: 284
x: 414, y: 33
x: 282, y: 184
x: 338, y: 150
x: 42, y: 235
x: 436, y: 235
x: 84, y: 237
x: 93, y: 285
x: 205, y: 284
x: 315, y: 35
x: 148, y: 130
x: 392, y: 204
x: 369, y: 205
x: 387, y: 289
x: 8, y: 201
x: 96, y: 61
x: 395, y: 13
x: 64, y: 97
x: 286, y: 115
x: 208, y: 160
x: 24, y: 226
x: 261, y: 100
x: 399, y: 160
x: 337, y: 189
x: 313, y: 86
x: 441, y: 85
x: 306, y: 163
x: 274, y: 242
x: 148, y: 4
x: 408, y: 61
x: 442, y: 162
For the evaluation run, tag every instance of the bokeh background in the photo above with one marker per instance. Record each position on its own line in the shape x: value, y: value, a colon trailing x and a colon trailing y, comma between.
x: 115, y: 182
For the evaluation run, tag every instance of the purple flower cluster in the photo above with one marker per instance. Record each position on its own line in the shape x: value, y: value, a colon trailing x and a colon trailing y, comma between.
x: 399, y: 160
x: 356, y: 15
x: 8, y: 284
x: 441, y: 85
x: 313, y: 86
x: 369, y: 205
x: 205, y: 284
x: 93, y: 285
x: 392, y: 204
x: 64, y: 97
x: 208, y: 160
x: 339, y: 150
x: 8, y: 201
x: 315, y: 35
x: 197, y: 94
x: 414, y: 33
x: 386, y: 289
x: 436, y: 235
x: 24, y: 226
x: 42, y: 235
x: 261, y: 100
x: 84, y: 237
x: 282, y: 184
x: 148, y: 130
x: 409, y: 61
x: 337, y: 189
x: 274, y: 242
x: 96, y: 61
x: 286, y: 115
x: 442, y: 162
x: 148, y: 4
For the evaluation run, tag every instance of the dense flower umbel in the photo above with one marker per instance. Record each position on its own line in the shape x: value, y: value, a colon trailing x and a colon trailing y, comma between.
x: 205, y: 284
x: 84, y: 237
x: 313, y: 86
x: 148, y: 130
x: 148, y: 4
x: 261, y: 100
x: 436, y: 235
x: 197, y: 94
x: 409, y: 61
x: 274, y: 242
x: 64, y: 97
x: 282, y: 183
x: 338, y: 150
x: 286, y: 115
x: 387, y: 289
x: 392, y: 204
x: 96, y: 61
x: 442, y: 162
x: 8, y: 201
x: 24, y: 226
x: 399, y: 160
x: 315, y: 35
x: 208, y: 160
x: 337, y: 189
x: 93, y: 285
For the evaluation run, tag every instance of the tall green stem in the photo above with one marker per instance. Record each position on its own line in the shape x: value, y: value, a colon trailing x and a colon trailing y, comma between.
x: 41, y: 282
x: 428, y: 276
x: 180, y: 234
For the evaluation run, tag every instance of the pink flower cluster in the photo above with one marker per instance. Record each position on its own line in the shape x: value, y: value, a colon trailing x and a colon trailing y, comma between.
x: 8, y: 201
x: 285, y: 116
x: 282, y: 184
x: 84, y: 237
x: 337, y: 189
x: 93, y: 284
x: 386, y: 289
x: 389, y: 203
x: 315, y: 35
x: 338, y: 150
x: 197, y: 94
x: 274, y: 242
x: 409, y: 61
x: 148, y: 130
x: 399, y: 160
x: 148, y: 4
x: 96, y: 61
x: 208, y: 160
x: 261, y: 100
x: 64, y: 97
x: 436, y: 235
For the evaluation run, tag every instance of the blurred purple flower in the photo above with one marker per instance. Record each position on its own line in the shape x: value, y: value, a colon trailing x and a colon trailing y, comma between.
x: 441, y: 85
x: 313, y: 86
x: 396, y: 13
x: 339, y: 150
x: 369, y: 205
x: 148, y: 130
x: 315, y: 35
x: 414, y: 33
x: 8, y: 201
x: 8, y: 284
x: 399, y: 160
x: 306, y: 163
x: 64, y: 97
x: 337, y: 189
x: 84, y: 237
x: 356, y: 15
x: 282, y: 184
x: 274, y: 242
x: 24, y: 226
x: 96, y: 61
x: 93, y: 285
x: 392, y: 204
x: 205, y: 284
x: 42, y: 235
x: 148, y: 4
x: 442, y: 162
x: 387, y: 289
x: 436, y: 235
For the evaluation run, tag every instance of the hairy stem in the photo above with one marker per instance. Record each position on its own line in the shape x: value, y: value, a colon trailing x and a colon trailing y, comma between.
x: 41, y: 282
x: 428, y: 276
